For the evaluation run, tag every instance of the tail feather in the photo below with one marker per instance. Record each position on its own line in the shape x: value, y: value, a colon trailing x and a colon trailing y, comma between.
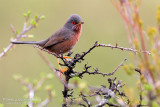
x: 24, y: 42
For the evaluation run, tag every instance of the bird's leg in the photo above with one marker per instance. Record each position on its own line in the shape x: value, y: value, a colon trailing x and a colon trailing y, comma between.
x: 65, y: 69
x: 67, y: 58
x: 59, y: 66
x: 62, y: 71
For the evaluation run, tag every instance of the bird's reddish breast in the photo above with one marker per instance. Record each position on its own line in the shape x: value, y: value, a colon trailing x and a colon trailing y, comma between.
x: 65, y: 46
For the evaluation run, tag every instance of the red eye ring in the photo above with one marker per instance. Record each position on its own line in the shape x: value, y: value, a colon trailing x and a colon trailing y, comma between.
x: 73, y: 22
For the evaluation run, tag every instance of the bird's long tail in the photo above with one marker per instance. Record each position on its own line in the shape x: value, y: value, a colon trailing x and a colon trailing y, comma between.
x: 25, y: 42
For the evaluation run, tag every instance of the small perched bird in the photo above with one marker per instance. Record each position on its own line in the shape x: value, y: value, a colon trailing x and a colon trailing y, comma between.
x: 63, y: 40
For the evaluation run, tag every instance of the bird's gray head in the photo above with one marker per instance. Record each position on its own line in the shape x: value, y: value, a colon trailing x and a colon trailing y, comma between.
x: 74, y: 23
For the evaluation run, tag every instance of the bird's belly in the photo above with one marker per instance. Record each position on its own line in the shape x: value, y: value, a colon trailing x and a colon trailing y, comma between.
x: 64, y: 46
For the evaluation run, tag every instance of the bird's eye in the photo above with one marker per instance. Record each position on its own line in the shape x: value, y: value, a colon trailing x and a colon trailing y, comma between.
x: 73, y: 22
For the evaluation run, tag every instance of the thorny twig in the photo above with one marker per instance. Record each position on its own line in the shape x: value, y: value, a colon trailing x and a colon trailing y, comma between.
x: 107, y: 94
x: 122, y: 48
x: 79, y: 57
x: 85, y: 100
x: 71, y: 64
x: 96, y: 70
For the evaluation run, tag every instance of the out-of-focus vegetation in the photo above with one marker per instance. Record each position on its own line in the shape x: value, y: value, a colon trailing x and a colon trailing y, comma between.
x: 102, y: 23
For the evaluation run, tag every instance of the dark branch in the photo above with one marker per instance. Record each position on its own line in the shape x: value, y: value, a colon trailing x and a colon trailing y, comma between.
x: 96, y: 70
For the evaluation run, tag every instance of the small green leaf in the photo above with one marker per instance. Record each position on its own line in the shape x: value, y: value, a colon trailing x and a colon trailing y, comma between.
x: 25, y: 15
x: 53, y: 92
x: 17, y: 76
x: 36, y: 17
x: 17, y: 32
x: 42, y: 17
x: 144, y: 102
x: 37, y: 100
x: 24, y: 88
x: 27, y: 80
x: 35, y: 81
x: 131, y: 67
x: 148, y: 87
x: 49, y: 76
x: 28, y: 13
x: 49, y: 87
x: 128, y: 69
x: 111, y: 100
x: 31, y: 36
x: 33, y: 22
x: 76, y: 80
x: 42, y: 75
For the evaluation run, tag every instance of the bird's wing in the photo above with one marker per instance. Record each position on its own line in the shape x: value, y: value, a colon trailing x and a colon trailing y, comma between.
x: 58, y: 37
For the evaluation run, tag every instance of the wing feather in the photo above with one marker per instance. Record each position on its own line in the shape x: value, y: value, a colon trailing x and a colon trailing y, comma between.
x: 58, y: 37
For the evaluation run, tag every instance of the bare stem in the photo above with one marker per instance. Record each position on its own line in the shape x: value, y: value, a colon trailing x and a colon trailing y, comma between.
x: 25, y: 30
x: 123, y: 48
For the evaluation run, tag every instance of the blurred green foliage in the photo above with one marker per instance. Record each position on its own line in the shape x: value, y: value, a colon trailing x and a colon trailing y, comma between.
x: 102, y: 23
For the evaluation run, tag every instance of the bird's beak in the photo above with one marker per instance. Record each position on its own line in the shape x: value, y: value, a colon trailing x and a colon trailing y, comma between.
x: 80, y: 23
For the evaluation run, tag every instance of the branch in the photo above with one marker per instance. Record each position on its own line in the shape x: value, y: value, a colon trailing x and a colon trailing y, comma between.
x: 36, y: 46
x: 104, y: 102
x: 30, y: 89
x: 52, y: 68
x: 17, y: 37
x: 47, y: 100
x: 107, y: 93
x: 85, y: 100
x: 78, y: 57
x: 96, y: 70
x: 122, y: 48
x: 71, y: 73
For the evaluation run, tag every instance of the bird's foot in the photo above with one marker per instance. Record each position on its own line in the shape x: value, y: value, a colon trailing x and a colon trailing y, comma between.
x: 65, y: 69
x: 67, y: 58
x: 62, y: 71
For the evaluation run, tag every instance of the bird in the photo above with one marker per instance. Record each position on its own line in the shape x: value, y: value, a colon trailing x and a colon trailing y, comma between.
x: 63, y: 40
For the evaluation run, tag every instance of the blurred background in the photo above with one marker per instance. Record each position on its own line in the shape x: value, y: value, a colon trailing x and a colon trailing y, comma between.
x: 102, y: 23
